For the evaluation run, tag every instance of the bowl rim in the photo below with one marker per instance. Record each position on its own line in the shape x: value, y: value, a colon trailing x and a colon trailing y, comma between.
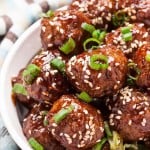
x: 15, y: 48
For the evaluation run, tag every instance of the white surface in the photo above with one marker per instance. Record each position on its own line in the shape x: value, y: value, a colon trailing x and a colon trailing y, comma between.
x: 24, y: 49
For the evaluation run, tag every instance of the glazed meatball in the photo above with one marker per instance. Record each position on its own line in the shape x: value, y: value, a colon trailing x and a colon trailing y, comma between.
x: 143, y: 65
x: 98, y: 11
x: 25, y: 99
x: 50, y: 84
x: 137, y: 10
x: 34, y: 127
x: 140, y: 36
x: 81, y: 128
x: 130, y: 115
x: 57, y: 30
x: 101, y: 12
x: 98, y: 83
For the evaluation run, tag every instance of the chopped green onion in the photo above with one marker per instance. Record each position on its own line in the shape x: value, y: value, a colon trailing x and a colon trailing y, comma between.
x: 132, y: 69
x: 130, y: 81
x: 131, y: 146
x: 45, y: 121
x: 44, y: 112
x: 48, y: 14
x: 98, y: 62
x: 126, y: 33
x: 116, y: 142
x: 58, y: 64
x: 35, y: 144
x: 88, y: 27
x: 30, y: 73
x: 19, y: 89
x: 147, y: 57
x: 102, y: 36
x: 99, y: 35
x: 107, y: 129
x: 68, y: 47
x: 96, y: 34
x: 62, y: 114
x: 85, y: 97
x: 125, y: 30
x: 119, y: 18
x: 90, y: 40
x: 127, y: 37
x: 100, y: 144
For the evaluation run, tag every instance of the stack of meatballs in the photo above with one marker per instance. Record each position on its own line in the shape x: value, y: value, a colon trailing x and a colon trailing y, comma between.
x: 113, y: 75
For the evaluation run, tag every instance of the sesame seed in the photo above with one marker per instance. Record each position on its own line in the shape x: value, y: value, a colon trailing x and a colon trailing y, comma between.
x: 118, y: 117
x: 141, y: 112
x: 53, y: 131
x: 129, y: 122
x: 86, y: 126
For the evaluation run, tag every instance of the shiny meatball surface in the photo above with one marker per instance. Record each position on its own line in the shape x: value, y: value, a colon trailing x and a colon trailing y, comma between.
x: 98, y: 11
x: 57, y: 30
x: 140, y: 36
x: 130, y: 115
x: 143, y: 65
x: 98, y: 83
x: 101, y: 12
x: 50, y: 84
x: 81, y: 129
x: 33, y: 127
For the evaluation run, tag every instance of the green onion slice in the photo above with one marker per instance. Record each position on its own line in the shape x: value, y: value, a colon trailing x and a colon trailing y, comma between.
x: 96, y: 34
x: 58, y: 64
x: 102, y: 36
x: 90, y: 41
x: 44, y: 112
x: 119, y: 18
x: 45, y: 121
x: 126, y: 33
x: 48, y: 14
x: 62, y: 114
x: 107, y: 129
x: 147, y: 57
x: 88, y: 27
x: 127, y: 37
x: 98, y: 62
x: 133, y: 71
x: 30, y: 73
x: 125, y: 30
x: 19, y: 89
x: 100, y: 144
x: 85, y: 97
x: 116, y: 142
x: 99, y: 35
x: 35, y: 144
x: 68, y: 47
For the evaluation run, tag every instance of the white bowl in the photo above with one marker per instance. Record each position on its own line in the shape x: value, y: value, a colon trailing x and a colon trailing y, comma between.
x: 23, y: 50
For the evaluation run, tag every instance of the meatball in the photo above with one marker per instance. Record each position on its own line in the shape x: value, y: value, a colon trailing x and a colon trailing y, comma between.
x: 98, y: 83
x: 143, y: 65
x: 101, y: 12
x: 50, y: 84
x: 130, y: 115
x: 98, y: 11
x: 57, y: 30
x: 33, y: 127
x: 25, y: 99
x: 81, y: 128
x: 137, y: 10
x: 140, y: 36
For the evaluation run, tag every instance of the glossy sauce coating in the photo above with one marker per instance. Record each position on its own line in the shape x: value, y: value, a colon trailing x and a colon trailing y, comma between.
x: 98, y: 83
x: 81, y: 129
